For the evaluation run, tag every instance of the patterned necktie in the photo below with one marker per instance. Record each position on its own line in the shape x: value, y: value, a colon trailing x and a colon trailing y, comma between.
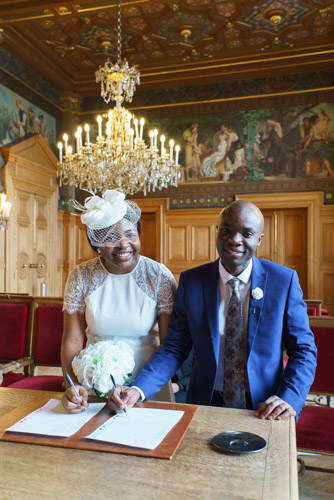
x: 234, y: 388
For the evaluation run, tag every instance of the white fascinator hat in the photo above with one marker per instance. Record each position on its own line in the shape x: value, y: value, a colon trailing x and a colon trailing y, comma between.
x: 103, y: 216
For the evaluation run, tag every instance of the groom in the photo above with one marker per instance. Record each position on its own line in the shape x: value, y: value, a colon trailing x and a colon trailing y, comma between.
x: 239, y: 313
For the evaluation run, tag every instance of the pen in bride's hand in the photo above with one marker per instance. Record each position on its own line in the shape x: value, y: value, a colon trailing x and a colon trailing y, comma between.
x: 70, y: 381
x: 116, y: 390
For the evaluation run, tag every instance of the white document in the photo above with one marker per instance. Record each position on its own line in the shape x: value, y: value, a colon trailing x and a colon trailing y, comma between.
x: 53, y: 420
x: 139, y: 427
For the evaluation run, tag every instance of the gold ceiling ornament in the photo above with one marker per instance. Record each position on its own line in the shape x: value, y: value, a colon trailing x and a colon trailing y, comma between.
x: 186, y: 32
x: 5, y: 207
x: 120, y: 158
x: 275, y: 17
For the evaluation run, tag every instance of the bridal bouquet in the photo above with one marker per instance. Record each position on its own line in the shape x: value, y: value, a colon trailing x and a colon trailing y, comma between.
x: 96, y: 362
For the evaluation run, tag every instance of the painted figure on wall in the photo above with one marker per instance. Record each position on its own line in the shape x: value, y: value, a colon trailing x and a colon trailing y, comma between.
x: 276, y: 159
x: 19, y: 118
x: 316, y: 147
x: 192, y: 151
x: 40, y: 126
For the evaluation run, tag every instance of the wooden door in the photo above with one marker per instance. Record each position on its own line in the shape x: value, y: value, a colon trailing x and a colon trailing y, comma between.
x: 285, y: 240
x: 32, y: 249
x: 22, y: 250
x: 31, y: 242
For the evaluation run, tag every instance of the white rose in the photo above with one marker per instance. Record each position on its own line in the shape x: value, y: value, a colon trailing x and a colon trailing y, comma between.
x: 257, y: 293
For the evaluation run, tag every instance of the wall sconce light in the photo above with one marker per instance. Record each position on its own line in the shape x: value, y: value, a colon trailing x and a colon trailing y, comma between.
x: 5, y: 207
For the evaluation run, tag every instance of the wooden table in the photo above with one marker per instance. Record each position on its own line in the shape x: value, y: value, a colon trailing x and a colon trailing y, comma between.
x: 196, y: 471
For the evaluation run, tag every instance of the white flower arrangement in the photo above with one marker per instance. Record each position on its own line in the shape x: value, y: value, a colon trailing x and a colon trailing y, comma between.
x: 257, y: 293
x: 96, y: 362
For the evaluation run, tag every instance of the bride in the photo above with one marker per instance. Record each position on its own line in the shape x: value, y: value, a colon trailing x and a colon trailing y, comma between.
x: 119, y: 295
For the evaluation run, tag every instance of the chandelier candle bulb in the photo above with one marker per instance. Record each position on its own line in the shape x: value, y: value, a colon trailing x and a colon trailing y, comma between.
x: 171, y: 144
x: 177, y: 150
x: 142, y: 121
x: 87, y: 135
x: 5, y: 206
x: 99, y: 122
x: 60, y: 147
x: 155, y: 138
x: 135, y: 122
x: 65, y: 138
x: 80, y: 137
x: 77, y: 136
x: 151, y: 134
x: 162, y: 141
x: 131, y: 132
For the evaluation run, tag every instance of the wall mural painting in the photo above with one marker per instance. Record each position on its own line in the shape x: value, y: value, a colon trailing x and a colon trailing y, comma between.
x: 253, y: 145
x: 19, y: 118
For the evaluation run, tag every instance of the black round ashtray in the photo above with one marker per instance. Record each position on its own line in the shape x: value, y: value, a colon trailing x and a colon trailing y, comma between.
x: 239, y: 442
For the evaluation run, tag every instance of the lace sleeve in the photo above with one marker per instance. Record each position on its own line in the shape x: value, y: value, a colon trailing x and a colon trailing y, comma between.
x: 166, y: 291
x: 74, y: 295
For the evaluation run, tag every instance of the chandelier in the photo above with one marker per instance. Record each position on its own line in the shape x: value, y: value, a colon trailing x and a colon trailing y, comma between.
x: 120, y: 158
x: 5, y: 207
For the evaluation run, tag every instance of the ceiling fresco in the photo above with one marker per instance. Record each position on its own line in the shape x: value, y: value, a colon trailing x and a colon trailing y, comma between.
x: 175, y: 42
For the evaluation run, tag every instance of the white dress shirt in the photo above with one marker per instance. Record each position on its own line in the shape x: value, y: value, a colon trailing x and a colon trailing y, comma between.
x: 225, y: 292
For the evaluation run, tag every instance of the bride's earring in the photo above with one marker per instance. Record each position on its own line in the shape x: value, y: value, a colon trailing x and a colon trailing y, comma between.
x: 98, y: 250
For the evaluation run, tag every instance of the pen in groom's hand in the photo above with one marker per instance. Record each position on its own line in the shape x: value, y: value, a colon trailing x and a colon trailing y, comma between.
x: 116, y: 390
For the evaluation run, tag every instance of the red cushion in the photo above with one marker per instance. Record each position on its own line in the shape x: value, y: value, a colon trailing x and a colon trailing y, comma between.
x: 40, y: 383
x: 324, y: 375
x: 315, y: 429
x: 49, y: 331
x: 10, y: 378
x: 312, y: 311
x: 13, y: 330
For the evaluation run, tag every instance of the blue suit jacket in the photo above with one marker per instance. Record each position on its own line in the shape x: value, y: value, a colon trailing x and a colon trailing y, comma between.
x: 277, y: 320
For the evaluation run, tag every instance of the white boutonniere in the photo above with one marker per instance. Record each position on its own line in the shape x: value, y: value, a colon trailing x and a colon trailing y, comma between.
x: 257, y: 293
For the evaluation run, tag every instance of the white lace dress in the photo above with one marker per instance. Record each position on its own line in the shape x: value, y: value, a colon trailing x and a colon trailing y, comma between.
x: 122, y: 306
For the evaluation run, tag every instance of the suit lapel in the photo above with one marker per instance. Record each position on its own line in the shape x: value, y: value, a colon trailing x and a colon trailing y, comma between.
x: 258, y: 280
x: 211, y: 297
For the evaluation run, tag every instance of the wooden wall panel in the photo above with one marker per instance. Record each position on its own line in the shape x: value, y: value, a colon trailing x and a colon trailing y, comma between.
x: 84, y: 250
x: 190, y: 238
x: 326, y: 263
x: 149, y: 235
x: 328, y: 240
x: 201, y: 243
x: 292, y: 245
x: 177, y: 244
x: 267, y: 249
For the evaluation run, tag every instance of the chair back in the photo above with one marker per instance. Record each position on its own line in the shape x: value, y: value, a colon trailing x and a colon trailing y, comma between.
x: 15, y: 327
x: 47, y: 331
x: 324, y: 375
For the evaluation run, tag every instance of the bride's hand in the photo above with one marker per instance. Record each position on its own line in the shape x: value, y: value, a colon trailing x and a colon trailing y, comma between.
x: 124, y: 397
x: 72, y: 403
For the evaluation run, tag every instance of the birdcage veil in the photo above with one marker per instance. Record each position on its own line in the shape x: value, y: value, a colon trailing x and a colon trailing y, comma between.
x: 109, y: 218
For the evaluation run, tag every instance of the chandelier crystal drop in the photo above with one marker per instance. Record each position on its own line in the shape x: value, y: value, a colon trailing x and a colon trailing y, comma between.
x: 120, y: 158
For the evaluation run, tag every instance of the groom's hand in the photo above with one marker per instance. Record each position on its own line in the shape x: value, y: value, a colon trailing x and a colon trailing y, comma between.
x: 124, y: 397
x: 275, y: 408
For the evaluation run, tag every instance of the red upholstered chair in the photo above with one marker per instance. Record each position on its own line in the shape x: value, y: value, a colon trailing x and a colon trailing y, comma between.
x: 46, y: 342
x: 315, y: 427
x: 314, y: 308
x: 16, y: 313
